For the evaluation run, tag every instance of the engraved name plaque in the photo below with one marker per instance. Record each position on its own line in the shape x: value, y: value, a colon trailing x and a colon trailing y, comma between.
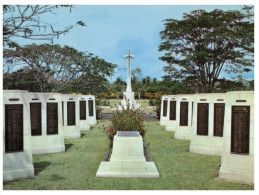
x: 128, y: 133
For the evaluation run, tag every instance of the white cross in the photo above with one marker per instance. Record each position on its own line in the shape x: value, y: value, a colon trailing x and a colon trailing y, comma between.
x: 129, y: 72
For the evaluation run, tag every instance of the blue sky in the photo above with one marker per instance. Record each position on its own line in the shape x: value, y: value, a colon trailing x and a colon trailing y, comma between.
x: 113, y: 30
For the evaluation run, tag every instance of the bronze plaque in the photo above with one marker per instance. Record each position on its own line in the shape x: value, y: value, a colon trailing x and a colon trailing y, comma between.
x: 203, y: 119
x: 164, y: 107
x: 13, y: 128
x: 35, y: 111
x: 71, y: 114
x: 184, y: 114
x: 82, y: 110
x: 172, y: 115
x: 240, y: 125
x: 52, y: 118
x: 219, y: 111
x: 91, y: 107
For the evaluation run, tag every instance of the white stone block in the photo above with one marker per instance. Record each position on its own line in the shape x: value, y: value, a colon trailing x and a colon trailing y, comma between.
x: 206, y: 144
x: 47, y: 143
x: 236, y: 167
x: 71, y: 131
x: 91, y: 119
x: 18, y: 164
x: 127, y: 160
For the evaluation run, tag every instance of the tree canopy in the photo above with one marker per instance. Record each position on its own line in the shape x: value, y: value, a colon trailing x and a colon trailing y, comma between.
x: 23, y: 21
x: 202, y: 44
x: 59, y: 67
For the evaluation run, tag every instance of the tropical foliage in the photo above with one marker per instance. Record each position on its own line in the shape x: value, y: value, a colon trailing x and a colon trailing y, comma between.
x: 202, y: 44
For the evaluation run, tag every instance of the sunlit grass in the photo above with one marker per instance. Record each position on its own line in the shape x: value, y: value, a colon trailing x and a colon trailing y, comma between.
x: 75, y: 169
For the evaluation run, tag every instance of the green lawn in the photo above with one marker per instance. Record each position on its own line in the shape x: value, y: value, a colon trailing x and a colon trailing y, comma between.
x: 75, y: 169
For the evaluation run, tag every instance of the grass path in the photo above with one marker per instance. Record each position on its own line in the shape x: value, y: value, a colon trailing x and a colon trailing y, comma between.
x: 75, y: 169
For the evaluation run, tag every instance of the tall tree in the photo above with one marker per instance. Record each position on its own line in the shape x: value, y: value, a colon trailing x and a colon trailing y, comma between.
x: 203, y: 43
x: 59, y: 67
x: 23, y: 21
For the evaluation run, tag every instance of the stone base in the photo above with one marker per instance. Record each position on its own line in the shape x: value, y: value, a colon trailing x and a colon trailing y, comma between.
x: 92, y: 121
x: 182, y: 136
x: 206, y: 145
x: 169, y: 128
x: 45, y: 144
x: 127, y: 159
x: 127, y: 169
x: 237, y: 168
x: 17, y: 165
x: 183, y: 133
x: 84, y: 125
x: 236, y: 175
x: 73, y: 136
x: 71, y: 132
x: 48, y: 150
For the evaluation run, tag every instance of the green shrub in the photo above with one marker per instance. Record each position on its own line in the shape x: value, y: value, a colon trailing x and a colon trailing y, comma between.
x: 125, y: 120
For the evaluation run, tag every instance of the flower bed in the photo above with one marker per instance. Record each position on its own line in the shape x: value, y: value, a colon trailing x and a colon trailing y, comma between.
x: 125, y: 120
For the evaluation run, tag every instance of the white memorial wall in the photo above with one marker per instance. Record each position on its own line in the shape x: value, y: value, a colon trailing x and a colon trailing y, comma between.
x: 46, y: 123
x: 221, y: 124
x: 204, y: 139
x: 84, y: 120
x: 36, y: 123
x: 184, y: 114
x: 164, y: 113
x: 237, y: 161
x: 17, y: 154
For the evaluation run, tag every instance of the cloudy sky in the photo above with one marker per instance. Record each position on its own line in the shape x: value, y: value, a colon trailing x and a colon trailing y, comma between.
x: 113, y: 30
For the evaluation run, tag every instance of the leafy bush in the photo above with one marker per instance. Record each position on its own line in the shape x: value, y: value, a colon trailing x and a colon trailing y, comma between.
x: 125, y: 120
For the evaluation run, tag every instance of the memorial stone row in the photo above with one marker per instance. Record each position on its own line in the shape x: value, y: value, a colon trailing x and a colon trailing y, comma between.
x: 216, y: 124
x: 38, y: 123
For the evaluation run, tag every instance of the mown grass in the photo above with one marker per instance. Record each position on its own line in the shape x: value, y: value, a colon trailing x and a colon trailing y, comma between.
x: 75, y: 169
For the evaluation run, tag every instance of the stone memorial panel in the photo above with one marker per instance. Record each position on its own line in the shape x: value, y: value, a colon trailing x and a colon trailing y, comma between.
x: 128, y: 133
x: 240, y: 129
x: 172, y: 115
x: 52, y: 118
x: 184, y: 114
x: 219, y: 111
x: 35, y: 111
x: 203, y: 119
x: 71, y: 114
x: 13, y: 128
x: 91, y: 107
x: 164, y: 107
x: 82, y: 110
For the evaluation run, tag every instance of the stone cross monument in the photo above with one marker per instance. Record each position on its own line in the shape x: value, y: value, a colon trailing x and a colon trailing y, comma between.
x: 129, y: 71
x: 129, y: 94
